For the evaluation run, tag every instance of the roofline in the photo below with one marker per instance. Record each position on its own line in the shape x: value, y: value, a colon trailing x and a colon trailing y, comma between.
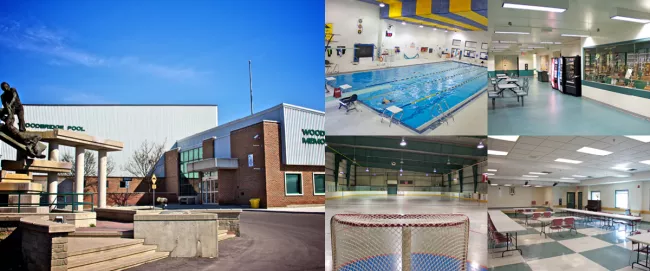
x: 121, y: 104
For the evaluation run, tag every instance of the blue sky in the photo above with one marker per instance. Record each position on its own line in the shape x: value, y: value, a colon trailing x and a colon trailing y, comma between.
x: 164, y: 52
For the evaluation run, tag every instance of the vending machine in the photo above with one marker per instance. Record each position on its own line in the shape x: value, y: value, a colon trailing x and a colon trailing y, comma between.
x: 560, y: 75
x: 553, y: 73
x: 571, y: 81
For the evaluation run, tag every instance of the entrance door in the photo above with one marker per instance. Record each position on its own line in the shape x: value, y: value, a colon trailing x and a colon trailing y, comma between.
x: 571, y: 200
x: 391, y: 187
x: 209, y: 191
x: 580, y: 200
x: 507, y: 64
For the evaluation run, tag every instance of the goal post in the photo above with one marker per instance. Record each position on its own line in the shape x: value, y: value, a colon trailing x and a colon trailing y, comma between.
x: 399, y: 242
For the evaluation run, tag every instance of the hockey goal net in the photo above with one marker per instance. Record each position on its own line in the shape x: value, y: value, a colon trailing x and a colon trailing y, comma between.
x: 399, y: 242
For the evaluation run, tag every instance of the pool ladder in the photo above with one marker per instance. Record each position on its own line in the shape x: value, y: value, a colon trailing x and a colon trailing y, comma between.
x: 441, y: 112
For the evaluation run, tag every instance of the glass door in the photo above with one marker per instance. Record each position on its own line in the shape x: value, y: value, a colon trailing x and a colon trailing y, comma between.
x: 209, y: 189
x: 571, y: 200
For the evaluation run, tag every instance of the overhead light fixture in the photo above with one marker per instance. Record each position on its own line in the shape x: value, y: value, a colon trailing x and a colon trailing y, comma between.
x: 546, y: 42
x: 434, y: 170
x: 562, y: 160
x: 629, y: 15
x: 382, y: 5
x: 427, y: 174
x: 567, y: 178
x: 489, y: 174
x: 403, y: 143
x: 536, y: 47
x: 644, y: 139
x: 507, y: 42
x: 400, y: 170
x: 403, y: 23
x: 493, y: 152
x: 530, y: 176
x: 526, y: 185
x: 434, y: 29
x: 538, y: 173
x: 554, y: 184
x: 557, y: 42
x: 593, y: 151
x: 480, y: 144
x: 421, y: 26
x: 579, y: 176
x: 367, y: 170
x: 575, y: 35
x: 537, y: 5
x: 493, y: 170
x: 507, y: 185
x: 513, y: 30
x: 448, y: 161
x: 647, y: 162
x: 538, y: 186
x: 622, y: 167
x: 400, y: 174
x: 622, y: 176
x: 506, y: 138
x: 446, y: 31
x: 493, y: 184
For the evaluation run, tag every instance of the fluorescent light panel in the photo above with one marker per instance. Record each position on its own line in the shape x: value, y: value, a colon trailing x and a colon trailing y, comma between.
x: 492, y: 152
x: 506, y: 138
x: 579, y: 176
x: 621, y: 18
x: 537, y: 173
x: 644, y: 139
x: 562, y: 160
x: 593, y: 151
x: 647, y: 162
x: 537, y: 5
x: 628, y: 15
x: 530, y: 176
x: 538, y: 186
x: 507, y: 185
x: 489, y: 174
x: 512, y: 32
x: 567, y: 178
x: 493, y: 170
x: 575, y: 35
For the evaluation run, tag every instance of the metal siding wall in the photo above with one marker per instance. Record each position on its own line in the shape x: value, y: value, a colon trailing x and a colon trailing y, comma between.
x: 131, y: 125
x: 294, y: 151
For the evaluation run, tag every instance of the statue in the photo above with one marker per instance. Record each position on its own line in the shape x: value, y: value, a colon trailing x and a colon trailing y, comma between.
x: 12, y: 106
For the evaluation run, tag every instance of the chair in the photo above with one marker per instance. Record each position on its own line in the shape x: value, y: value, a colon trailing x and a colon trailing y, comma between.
x: 535, y: 217
x: 556, y: 224
x: 533, y: 203
x: 349, y: 103
x: 570, y: 223
x: 547, y: 214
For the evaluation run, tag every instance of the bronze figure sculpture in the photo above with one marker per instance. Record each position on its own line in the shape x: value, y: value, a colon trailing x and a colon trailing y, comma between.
x: 12, y: 106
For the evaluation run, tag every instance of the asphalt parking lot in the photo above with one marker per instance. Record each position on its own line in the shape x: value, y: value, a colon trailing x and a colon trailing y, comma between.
x: 269, y: 241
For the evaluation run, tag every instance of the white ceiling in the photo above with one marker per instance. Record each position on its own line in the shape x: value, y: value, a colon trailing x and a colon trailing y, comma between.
x: 537, y: 154
x: 582, y: 15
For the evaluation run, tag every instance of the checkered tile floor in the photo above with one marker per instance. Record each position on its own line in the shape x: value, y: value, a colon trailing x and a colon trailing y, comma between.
x: 592, y: 248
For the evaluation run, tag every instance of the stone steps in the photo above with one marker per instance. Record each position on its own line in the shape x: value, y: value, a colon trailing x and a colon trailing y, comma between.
x: 121, y: 254
x: 223, y: 235
x: 106, y: 234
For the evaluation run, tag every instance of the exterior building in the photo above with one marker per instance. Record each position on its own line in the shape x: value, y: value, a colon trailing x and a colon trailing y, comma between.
x: 276, y: 155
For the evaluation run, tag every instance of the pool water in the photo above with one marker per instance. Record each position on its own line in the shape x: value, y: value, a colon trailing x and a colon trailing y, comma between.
x: 425, y: 93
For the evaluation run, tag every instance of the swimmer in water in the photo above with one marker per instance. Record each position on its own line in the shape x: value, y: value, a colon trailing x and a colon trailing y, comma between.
x: 386, y: 101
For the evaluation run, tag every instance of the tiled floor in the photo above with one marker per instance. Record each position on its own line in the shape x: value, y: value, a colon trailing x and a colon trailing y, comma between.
x: 546, y: 111
x: 477, y: 213
x: 592, y: 248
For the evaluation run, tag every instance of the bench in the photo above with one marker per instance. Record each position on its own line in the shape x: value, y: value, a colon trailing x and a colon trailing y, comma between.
x: 187, y: 200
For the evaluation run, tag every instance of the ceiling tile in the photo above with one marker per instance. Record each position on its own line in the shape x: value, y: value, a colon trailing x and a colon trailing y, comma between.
x: 582, y: 141
x: 530, y: 140
x: 563, y: 139
x: 524, y: 146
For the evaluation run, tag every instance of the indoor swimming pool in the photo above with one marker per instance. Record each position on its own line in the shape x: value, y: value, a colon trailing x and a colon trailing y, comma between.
x: 426, y: 94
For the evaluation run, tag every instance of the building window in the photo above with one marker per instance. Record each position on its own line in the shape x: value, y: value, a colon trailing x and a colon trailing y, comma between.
x: 319, y: 183
x: 188, y: 185
x: 293, y: 183
x: 124, y: 184
x: 621, y: 199
x: 595, y: 195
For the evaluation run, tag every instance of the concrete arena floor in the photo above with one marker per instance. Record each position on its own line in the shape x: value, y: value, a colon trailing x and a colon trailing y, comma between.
x: 477, y: 213
x: 269, y: 241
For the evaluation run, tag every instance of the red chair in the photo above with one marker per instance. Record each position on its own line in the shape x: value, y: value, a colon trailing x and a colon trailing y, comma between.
x: 570, y: 223
x: 556, y: 224
x: 536, y: 216
x: 533, y: 203
x: 547, y: 214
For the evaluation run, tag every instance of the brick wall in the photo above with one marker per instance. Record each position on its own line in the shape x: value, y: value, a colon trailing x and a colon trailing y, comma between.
x: 45, y: 244
x: 208, y: 148
x: 172, y: 173
x: 247, y: 182
x: 275, y: 170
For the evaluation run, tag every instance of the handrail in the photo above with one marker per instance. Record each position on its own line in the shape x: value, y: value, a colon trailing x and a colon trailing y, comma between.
x: 74, y: 202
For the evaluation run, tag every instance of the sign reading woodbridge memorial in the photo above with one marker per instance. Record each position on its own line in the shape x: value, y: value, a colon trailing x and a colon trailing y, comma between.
x: 310, y: 136
x: 52, y: 126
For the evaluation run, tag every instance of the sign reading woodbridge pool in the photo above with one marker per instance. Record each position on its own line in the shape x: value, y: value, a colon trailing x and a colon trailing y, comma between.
x: 310, y: 136
x: 52, y: 126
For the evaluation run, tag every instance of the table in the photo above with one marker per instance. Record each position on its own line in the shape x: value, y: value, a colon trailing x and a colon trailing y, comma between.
x: 608, y: 217
x: 394, y: 110
x: 511, y: 87
x: 505, y: 224
x: 643, y: 238
x: 501, y: 78
x: 512, y: 80
x: 527, y: 214
x: 545, y: 221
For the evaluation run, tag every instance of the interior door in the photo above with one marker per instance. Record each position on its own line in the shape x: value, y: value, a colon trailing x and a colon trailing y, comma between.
x: 580, y: 200
x: 392, y: 189
x: 571, y: 200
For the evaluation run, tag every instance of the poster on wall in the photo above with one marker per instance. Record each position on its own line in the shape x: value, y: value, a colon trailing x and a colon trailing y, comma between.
x: 455, y: 42
x: 484, y: 56
x: 467, y: 53
x: 470, y: 44
x: 484, y: 46
x: 250, y: 160
x: 329, y: 31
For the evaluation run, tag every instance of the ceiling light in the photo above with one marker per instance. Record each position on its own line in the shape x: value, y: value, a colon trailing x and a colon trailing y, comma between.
x: 480, y: 145
x: 575, y: 35
x: 622, y: 176
x: 557, y: 42
x: 546, y: 42
x: 488, y: 174
x: 492, y: 152
x: 530, y: 176
x: 526, y: 185
x: 537, y: 5
x: 427, y: 174
x: 647, y: 162
x: 434, y: 170
x: 494, y: 184
x: 538, y: 173
x: 400, y: 174
x: 538, y: 186
x: 382, y: 5
x: 400, y: 170
x: 622, y: 167
x: 567, y: 178
x: 507, y: 42
x: 507, y: 185
x: 594, y: 151
x: 403, y: 23
x: 421, y: 26
x: 434, y: 29
x: 536, y: 47
x: 567, y: 161
x: 629, y: 15
x: 367, y: 170
x: 403, y: 143
x: 446, y: 31
x: 512, y: 32
x: 448, y: 161
x: 644, y: 139
x: 579, y: 176
x: 506, y: 138
x: 494, y: 170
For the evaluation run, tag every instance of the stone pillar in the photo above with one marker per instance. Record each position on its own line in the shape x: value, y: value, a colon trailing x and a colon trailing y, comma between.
x: 79, y: 172
x: 101, y: 179
x: 53, y: 177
